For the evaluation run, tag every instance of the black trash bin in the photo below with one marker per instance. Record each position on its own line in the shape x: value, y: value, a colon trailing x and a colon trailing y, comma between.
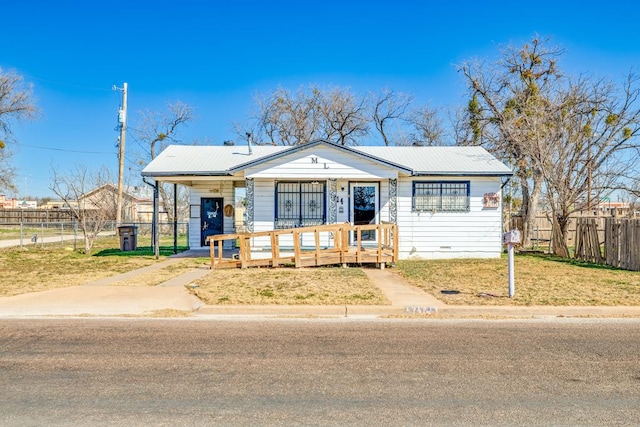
x: 128, y: 237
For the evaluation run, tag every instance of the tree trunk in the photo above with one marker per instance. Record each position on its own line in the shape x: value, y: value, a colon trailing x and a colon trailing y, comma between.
x: 560, y: 226
x: 166, y: 199
x: 531, y: 191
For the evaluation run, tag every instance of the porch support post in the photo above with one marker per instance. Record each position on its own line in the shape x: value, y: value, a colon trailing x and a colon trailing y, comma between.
x: 175, y: 218
x: 333, y: 201
x: 250, y: 204
x: 393, y: 201
x: 156, y: 222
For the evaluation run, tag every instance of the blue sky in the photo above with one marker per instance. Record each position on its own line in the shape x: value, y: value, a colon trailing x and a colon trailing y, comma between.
x: 216, y: 55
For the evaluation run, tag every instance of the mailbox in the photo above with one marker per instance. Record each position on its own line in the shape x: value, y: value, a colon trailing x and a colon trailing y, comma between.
x: 511, y: 237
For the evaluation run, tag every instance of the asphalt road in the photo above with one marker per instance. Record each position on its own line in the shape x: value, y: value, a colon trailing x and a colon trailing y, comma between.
x: 319, y: 372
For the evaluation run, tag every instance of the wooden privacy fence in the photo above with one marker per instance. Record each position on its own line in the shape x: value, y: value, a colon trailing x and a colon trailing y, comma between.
x: 337, y: 250
x: 541, y: 232
x: 16, y: 216
x: 621, y: 242
x: 587, y: 241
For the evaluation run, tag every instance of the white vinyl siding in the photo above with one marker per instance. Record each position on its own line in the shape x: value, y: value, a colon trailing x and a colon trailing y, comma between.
x: 427, y: 234
x: 475, y: 233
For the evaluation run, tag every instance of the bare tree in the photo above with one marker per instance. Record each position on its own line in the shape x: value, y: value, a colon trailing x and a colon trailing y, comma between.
x: 286, y: 118
x: 389, y: 107
x: 289, y: 119
x: 337, y: 114
x: 91, y: 209
x: 595, y: 130
x: 569, y: 139
x: 504, y: 112
x: 16, y: 103
x: 7, y: 171
x: 460, y: 127
x: 426, y: 126
x: 344, y: 116
x: 155, y: 132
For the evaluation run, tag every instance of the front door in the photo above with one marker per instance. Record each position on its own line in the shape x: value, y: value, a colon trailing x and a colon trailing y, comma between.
x: 211, y: 217
x: 364, y: 207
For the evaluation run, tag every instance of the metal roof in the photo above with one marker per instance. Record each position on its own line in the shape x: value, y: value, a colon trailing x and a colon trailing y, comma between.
x: 205, y: 160
x: 457, y: 160
x: 187, y: 160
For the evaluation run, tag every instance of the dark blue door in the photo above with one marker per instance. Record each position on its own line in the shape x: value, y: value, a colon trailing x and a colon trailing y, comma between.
x: 211, y: 217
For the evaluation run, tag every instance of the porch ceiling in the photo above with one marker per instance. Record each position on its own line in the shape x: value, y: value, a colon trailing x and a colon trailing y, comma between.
x: 191, y: 181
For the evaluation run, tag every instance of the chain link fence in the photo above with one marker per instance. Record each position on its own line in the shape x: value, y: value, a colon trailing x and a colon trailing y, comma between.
x: 68, y: 233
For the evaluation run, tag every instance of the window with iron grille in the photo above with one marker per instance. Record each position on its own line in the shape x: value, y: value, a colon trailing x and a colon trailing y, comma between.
x: 441, y: 196
x: 300, y: 204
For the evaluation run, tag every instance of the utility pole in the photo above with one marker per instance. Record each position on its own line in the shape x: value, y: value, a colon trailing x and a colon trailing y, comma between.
x: 122, y: 120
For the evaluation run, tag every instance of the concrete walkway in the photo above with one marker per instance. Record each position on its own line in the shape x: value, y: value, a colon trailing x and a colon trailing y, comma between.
x: 27, y: 242
x: 133, y: 273
x: 98, y: 298
x: 59, y: 238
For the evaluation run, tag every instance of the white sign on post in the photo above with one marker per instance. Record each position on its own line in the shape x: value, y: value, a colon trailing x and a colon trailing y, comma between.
x: 511, y: 238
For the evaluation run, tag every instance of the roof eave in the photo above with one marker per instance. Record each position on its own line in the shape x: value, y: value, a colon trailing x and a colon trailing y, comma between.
x: 453, y: 173
x: 188, y: 173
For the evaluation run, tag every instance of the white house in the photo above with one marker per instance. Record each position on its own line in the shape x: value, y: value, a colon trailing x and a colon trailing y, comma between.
x: 445, y: 200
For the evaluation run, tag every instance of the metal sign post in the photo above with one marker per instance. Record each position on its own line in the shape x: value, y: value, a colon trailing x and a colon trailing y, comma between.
x: 511, y: 238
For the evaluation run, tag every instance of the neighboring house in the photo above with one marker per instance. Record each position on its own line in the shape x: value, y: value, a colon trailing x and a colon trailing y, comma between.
x: 609, y: 208
x: 54, y: 204
x: 143, y: 211
x: 134, y: 209
x: 445, y: 200
x: 14, y: 203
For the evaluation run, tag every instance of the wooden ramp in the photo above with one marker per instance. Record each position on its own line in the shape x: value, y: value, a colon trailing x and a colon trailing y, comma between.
x: 334, y: 250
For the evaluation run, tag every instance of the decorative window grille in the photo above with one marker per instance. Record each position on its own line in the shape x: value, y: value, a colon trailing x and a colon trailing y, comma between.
x: 300, y: 204
x: 441, y: 196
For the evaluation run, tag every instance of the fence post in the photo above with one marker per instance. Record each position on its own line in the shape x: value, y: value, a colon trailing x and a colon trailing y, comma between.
x: 21, y: 230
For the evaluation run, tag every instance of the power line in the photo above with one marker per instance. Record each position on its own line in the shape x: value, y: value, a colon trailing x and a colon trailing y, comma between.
x: 62, y: 149
x: 68, y: 84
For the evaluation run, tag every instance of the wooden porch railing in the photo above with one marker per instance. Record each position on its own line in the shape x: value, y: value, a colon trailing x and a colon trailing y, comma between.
x: 338, y: 251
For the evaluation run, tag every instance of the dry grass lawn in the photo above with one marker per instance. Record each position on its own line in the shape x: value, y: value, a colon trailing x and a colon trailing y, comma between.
x: 539, y: 280
x: 37, y: 269
x: 311, y: 286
